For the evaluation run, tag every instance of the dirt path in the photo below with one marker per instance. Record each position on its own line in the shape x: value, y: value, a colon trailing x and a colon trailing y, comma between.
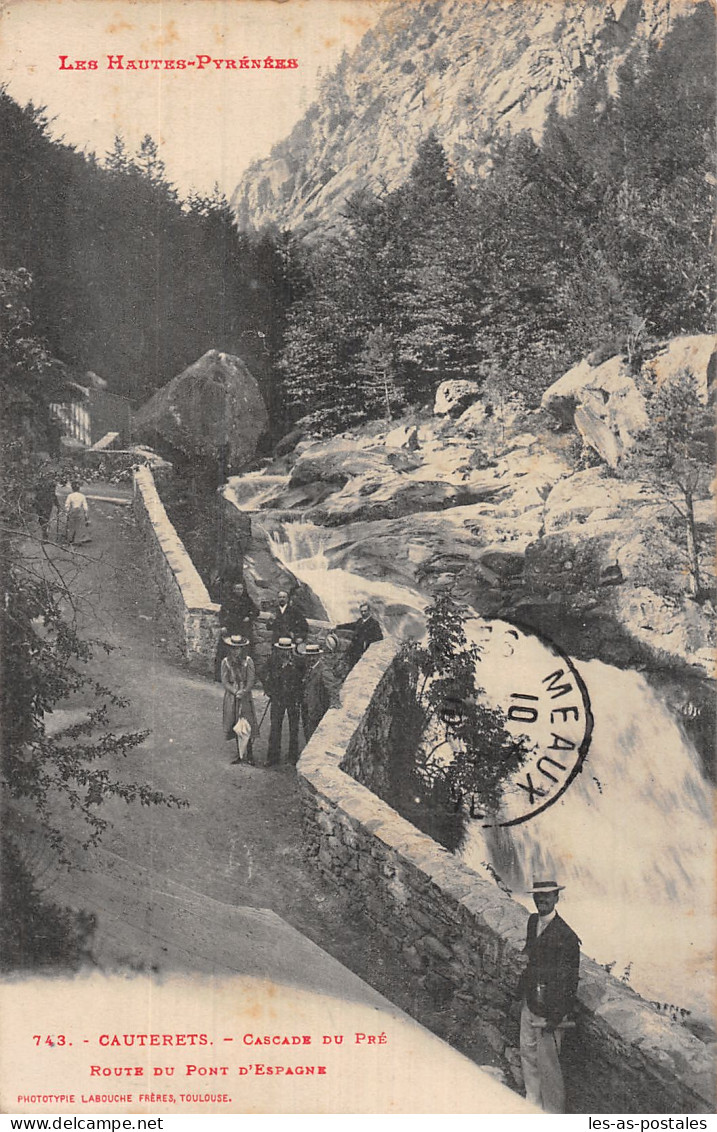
x: 239, y: 840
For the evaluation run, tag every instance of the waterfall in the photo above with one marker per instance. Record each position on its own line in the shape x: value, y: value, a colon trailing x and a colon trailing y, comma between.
x: 305, y: 549
x: 631, y: 840
x: 252, y: 490
x: 631, y: 837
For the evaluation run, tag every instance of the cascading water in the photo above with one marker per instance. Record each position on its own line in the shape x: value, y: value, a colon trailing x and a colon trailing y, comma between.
x: 253, y: 490
x: 632, y: 841
x: 305, y: 548
x: 631, y: 837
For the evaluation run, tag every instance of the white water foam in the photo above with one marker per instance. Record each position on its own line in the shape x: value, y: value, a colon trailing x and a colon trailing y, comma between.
x: 631, y: 839
x: 303, y: 549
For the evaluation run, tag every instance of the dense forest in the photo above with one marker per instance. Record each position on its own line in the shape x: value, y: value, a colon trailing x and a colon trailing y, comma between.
x: 129, y: 280
x: 599, y: 237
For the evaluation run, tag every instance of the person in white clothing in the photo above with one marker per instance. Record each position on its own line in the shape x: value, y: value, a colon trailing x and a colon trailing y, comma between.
x: 78, y: 517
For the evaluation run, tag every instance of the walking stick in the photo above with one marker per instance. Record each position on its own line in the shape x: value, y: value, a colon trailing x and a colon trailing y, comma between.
x: 258, y: 730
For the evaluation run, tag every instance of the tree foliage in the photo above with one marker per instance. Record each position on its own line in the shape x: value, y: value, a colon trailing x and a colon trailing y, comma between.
x: 44, y: 658
x: 675, y: 457
x: 604, y: 226
x: 27, y: 367
x: 451, y: 752
x: 130, y: 281
x: 35, y: 932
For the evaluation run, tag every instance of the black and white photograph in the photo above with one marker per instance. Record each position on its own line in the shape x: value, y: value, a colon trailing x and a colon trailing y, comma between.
x: 357, y: 632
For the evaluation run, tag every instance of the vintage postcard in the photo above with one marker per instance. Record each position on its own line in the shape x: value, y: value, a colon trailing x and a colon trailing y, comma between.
x: 358, y: 613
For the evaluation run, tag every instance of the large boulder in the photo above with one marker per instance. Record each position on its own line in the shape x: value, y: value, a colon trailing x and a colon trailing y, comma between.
x: 338, y: 462
x: 455, y: 395
x: 693, y: 353
x: 604, y: 404
x: 214, y: 409
x: 405, y: 436
x: 471, y: 420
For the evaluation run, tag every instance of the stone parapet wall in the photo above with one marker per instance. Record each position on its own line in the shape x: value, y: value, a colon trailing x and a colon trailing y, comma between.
x: 192, y: 615
x: 460, y: 935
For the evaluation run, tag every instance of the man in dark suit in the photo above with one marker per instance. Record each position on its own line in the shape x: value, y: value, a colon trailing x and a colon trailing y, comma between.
x: 287, y: 620
x: 236, y: 618
x: 366, y: 631
x: 282, y: 684
x: 314, y: 694
x: 547, y: 986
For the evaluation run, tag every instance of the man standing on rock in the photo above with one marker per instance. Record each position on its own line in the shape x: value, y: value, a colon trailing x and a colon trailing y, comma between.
x: 283, y: 687
x: 366, y: 631
x: 547, y: 986
x: 287, y: 620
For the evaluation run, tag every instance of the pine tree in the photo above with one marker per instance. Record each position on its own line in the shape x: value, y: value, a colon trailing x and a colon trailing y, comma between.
x: 435, y: 295
x: 675, y: 456
x: 117, y: 160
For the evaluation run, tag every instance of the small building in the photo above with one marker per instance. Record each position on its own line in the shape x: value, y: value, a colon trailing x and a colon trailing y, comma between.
x: 86, y: 413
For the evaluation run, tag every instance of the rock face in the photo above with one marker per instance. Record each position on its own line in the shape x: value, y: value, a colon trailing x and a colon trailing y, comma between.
x: 213, y: 408
x: 696, y: 353
x: 504, y: 514
x: 405, y: 436
x: 467, y: 71
x: 604, y: 403
x: 452, y: 397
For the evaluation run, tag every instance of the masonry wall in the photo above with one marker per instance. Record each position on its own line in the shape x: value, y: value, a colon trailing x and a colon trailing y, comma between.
x: 460, y: 935
x: 192, y: 616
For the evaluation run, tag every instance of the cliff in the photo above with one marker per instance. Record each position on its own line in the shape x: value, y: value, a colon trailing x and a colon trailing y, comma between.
x: 468, y: 70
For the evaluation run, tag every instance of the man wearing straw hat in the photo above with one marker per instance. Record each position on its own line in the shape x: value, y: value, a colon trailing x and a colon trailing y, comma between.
x: 314, y: 695
x: 283, y: 687
x: 547, y: 985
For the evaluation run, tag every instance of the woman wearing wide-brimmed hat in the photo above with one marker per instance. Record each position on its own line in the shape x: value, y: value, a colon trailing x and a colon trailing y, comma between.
x: 238, y: 675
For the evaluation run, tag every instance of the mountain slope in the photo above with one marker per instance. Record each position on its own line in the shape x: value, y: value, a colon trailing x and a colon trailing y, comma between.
x: 468, y: 70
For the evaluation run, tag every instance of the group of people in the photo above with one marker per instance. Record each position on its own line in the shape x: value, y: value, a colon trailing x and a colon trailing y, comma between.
x: 76, y: 510
x: 302, y: 678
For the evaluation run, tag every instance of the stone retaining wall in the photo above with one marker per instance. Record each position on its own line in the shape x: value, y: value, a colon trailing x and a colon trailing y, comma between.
x: 192, y: 615
x: 460, y: 935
